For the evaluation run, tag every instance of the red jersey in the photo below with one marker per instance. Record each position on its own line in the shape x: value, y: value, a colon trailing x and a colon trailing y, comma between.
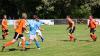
x: 92, y: 24
x: 20, y: 26
x: 4, y: 24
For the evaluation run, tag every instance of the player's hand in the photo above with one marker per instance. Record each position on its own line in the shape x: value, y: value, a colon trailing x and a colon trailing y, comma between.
x: 26, y: 31
x: 67, y: 28
x: 42, y: 29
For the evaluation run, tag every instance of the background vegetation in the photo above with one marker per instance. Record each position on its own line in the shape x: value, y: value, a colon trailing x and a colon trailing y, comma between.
x: 51, y: 8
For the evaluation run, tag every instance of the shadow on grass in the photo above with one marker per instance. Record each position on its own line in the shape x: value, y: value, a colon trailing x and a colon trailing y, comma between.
x: 2, y: 39
x: 65, y: 40
x: 86, y: 40
x: 13, y: 49
x: 29, y: 48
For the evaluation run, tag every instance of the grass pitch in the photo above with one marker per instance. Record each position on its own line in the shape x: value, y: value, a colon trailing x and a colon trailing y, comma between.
x: 57, y: 43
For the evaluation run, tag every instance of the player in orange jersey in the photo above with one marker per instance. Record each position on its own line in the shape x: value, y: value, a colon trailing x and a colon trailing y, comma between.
x: 4, y: 27
x: 71, y: 28
x: 20, y: 27
x: 92, y: 26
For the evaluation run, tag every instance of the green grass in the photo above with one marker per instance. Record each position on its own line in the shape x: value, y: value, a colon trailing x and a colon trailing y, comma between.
x: 57, y: 44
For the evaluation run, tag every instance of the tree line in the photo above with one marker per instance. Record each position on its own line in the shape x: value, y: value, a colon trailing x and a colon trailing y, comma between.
x: 50, y: 9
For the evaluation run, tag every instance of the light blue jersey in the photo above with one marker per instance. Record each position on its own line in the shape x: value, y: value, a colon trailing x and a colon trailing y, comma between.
x: 39, y: 24
x: 33, y: 27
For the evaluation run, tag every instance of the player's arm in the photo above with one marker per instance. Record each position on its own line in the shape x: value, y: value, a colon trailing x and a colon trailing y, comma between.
x: 15, y: 24
x: 46, y: 23
x: 26, y: 30
x: 73, y: 24
x: 41, y: 29
x: 95, y: 24
x: 89, y: 24
x: 68, y: 26
x: 26, y: 25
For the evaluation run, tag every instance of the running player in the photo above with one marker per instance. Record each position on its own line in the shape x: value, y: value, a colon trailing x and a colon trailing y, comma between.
x: 32, y: 33
x: 92, y: 26
x: 20, y: 27
x: 39, y: 24
x: 4, y: 27
x: 71, y: 28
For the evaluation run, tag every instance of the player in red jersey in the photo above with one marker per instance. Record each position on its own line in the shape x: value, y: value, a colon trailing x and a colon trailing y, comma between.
x: 92, y: 26
x: 4, y: 27
x: 71, y: 27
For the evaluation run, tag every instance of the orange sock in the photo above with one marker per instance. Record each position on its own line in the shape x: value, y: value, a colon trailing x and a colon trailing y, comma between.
x: 23, y: 43
x: 8, y: 44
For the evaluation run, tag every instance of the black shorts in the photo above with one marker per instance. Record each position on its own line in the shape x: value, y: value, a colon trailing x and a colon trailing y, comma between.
x: 16, y: 36
x: 5, y: 30
x: 92, y: 30
x: 71, y: 30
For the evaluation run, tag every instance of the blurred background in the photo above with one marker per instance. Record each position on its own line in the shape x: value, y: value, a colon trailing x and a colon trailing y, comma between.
x: 50, y: 9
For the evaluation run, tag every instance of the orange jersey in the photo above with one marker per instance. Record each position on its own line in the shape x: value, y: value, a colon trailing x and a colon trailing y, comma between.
x: 4, y: 24
x: 20, y: 25
x: 92, y: 24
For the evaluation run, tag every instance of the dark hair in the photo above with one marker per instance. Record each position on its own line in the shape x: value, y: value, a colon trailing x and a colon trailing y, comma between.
x: 69, y: 16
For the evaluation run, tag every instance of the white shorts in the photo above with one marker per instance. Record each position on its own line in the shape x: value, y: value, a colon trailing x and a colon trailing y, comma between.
x: 32, y: 37
x: 39, y: 32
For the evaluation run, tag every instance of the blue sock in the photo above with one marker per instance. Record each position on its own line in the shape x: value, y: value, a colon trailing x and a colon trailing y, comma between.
x: 37, y: 44
x: 42, y: 38
x: 27, y: 43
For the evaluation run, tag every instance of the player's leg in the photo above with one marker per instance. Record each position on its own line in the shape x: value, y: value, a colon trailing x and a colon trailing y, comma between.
x: 28, y: 43
x: 40, y: 35
x: 36, y: 41
x: 23, y: 41
x: 8, y: 44
x: 12, y: 41
x: 92, y: 34
x: 7, y: 32
x: 71, y: 36
x: 3, y: 34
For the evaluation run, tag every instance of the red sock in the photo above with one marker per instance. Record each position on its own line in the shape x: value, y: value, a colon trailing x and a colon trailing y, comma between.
x: 93, y: 36
x: 71, y: 38
x: 8, y: 44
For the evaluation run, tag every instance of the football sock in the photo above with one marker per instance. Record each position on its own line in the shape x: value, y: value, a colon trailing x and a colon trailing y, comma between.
x: 8, y: 44
x: 37, y: 44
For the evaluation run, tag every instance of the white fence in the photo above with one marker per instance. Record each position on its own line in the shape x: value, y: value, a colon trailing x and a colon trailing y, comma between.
x: 49, y: 22
x: 60, y: 21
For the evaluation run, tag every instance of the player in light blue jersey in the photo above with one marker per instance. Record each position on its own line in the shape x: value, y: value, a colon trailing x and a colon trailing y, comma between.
x: 39, y: 29
x: 32, y: 33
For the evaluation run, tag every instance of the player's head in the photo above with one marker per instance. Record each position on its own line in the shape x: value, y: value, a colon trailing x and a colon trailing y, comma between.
x: 68, y: 17
x: 24, y: 15
x: 90, y: 17
x: 5, y: 16
x: 36, y: 17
